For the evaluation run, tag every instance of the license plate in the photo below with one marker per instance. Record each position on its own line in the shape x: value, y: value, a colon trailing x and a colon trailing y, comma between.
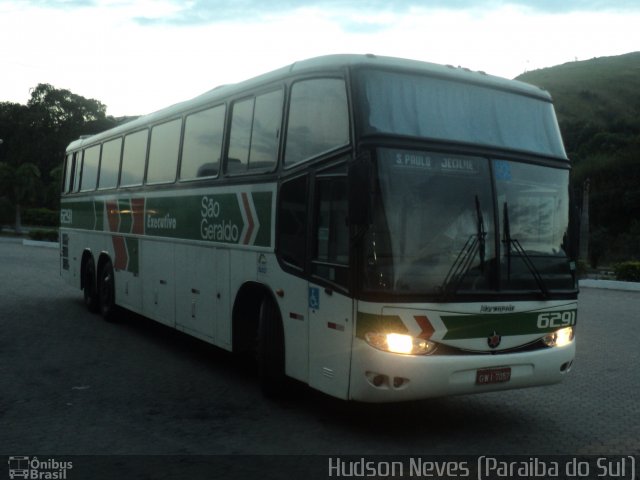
x: 488, y: 376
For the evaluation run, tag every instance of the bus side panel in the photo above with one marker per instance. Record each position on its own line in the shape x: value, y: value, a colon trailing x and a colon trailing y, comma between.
x: 129, y: 290
x: 196, y: 275
x: 203, y: 304
x: 330, y: 341
x: 69, y: 270
x: 224, y: 299
x: 158, y: 282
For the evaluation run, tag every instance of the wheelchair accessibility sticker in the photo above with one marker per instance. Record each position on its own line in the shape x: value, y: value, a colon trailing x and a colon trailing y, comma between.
x: 314, y: 298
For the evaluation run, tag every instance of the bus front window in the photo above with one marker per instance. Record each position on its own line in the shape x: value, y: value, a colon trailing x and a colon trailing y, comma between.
x: 435, y: 221
x: 433, y: 224
x: 533, y: 203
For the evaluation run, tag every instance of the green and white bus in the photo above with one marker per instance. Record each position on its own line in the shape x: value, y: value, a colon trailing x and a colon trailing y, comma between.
x: 380, y: 229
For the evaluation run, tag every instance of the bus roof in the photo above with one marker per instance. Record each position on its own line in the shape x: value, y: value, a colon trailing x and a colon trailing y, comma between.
x: 327, y: 63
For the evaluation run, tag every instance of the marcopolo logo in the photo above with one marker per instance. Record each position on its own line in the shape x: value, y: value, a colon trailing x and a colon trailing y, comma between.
x: 214, y: 226
x: 34, y: 468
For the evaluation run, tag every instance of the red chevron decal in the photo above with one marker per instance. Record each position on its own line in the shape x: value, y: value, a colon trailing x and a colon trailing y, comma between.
x: 247, y: 209
x: 425, y: 325
x: 119, y: 246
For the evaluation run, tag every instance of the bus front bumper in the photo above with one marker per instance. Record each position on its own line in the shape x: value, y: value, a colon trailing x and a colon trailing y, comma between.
x: 378, y: 376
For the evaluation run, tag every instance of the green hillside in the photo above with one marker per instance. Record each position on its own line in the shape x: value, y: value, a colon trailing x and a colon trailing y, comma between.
x: 598, y: 107
x: 602, y: 94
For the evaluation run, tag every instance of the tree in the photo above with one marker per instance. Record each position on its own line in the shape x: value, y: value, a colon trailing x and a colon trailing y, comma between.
x: 58, y: 116
x: 37, y: 134
x: 19, y: 183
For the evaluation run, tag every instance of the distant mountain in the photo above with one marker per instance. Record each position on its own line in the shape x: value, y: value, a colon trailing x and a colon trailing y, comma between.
x: 593, y: 96
x: 598, y: 106
x: 601, y: 91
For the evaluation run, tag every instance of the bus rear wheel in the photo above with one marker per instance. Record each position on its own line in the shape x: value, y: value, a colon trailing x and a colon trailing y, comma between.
x: 107, y: 292
x: 271, y: 350
x: 89, y: 287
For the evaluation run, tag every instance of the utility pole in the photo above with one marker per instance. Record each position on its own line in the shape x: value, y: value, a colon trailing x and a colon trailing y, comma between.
x: 584, y: 222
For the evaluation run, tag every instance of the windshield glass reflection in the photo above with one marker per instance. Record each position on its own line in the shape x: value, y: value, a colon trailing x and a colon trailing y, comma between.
x: 434, y: 226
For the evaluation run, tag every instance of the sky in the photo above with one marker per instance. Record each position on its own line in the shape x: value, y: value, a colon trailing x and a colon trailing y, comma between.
x: 137, y: 56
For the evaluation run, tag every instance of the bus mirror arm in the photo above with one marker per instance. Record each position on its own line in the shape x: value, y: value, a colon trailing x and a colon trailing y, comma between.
x: 360, y: 191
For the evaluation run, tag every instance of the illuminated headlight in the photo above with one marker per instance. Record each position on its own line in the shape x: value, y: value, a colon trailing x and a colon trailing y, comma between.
x: 559, y: 338
x: 400, y: 343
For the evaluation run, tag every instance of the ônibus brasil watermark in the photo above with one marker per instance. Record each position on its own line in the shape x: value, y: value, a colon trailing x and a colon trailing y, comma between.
x: 38, y: 469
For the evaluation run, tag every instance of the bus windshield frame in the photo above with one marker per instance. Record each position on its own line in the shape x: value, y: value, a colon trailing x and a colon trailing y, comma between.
x: 470, y: 196
x: 449, y: 226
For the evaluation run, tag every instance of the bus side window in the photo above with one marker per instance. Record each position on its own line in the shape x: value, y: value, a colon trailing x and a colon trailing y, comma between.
x: 110, y: 164
x: 331, y: 258
x: 202, y: 143
x: 134, y: 155
x: 163, y: 152
x: 68, y: 172
x: 255, y: 133
x: 292, y: 221
x: 318, y: 119
x: 77, y: 171
x: 267, y: 119
x: 90, y: 168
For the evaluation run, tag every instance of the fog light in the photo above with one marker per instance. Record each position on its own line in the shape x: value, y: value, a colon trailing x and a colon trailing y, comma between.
x: 559, y: 338
x: 400, y: 343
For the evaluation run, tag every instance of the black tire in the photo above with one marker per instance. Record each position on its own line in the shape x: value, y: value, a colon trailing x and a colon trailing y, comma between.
x: 90, y: 288
x: 271, y: 350
x: 107, y: 292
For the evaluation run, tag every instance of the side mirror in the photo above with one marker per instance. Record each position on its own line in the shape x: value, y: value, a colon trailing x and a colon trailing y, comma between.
x: 360, y: 176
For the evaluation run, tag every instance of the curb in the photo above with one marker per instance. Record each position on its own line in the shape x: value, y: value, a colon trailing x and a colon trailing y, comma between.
x: 610, y: 285
x: 10, y: 240
x: 34, y: 243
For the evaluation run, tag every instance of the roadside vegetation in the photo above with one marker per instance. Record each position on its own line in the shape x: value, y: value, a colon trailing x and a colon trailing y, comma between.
x: 598, y: 106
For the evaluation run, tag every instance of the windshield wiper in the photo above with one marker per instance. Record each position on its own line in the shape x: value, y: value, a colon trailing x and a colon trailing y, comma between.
x: 475, y: 244
x: 509, y: 242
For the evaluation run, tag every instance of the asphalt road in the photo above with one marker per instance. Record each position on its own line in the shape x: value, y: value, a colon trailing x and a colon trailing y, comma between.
x: 73, y: 384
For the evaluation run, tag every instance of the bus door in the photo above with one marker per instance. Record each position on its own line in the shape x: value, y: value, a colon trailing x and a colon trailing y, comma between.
x: 330, y: 308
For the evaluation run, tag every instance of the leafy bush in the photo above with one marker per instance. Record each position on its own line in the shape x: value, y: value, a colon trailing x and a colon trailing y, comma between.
x: 628, y: 271
x: 44, y: 235
x: 42, y: 217
x: 582, y: 268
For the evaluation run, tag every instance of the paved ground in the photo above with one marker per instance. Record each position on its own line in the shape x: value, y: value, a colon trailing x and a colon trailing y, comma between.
x: 73, y: 384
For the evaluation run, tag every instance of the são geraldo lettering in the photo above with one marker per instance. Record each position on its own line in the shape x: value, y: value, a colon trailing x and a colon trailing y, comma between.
x: 211, y: 228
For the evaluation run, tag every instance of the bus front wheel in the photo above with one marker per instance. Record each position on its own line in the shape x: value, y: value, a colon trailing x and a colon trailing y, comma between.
x: 271, y: 350
x: 107, y: 292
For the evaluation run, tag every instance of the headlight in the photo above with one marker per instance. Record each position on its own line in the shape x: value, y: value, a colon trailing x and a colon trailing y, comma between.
x: 559, y: 338
x: 400, y: 343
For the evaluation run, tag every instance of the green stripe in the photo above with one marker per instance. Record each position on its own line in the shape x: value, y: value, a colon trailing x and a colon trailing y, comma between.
x: 99, y: 215
x: 134, y: 255
x: 78, y: 215
x: 476, y: 326
x: 461, y: 327
x: 213, y: 217
x: 262, y: 201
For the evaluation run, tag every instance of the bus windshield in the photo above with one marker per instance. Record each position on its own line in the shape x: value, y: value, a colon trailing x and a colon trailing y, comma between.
x: 435, y: 108
x: 439, y: 226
